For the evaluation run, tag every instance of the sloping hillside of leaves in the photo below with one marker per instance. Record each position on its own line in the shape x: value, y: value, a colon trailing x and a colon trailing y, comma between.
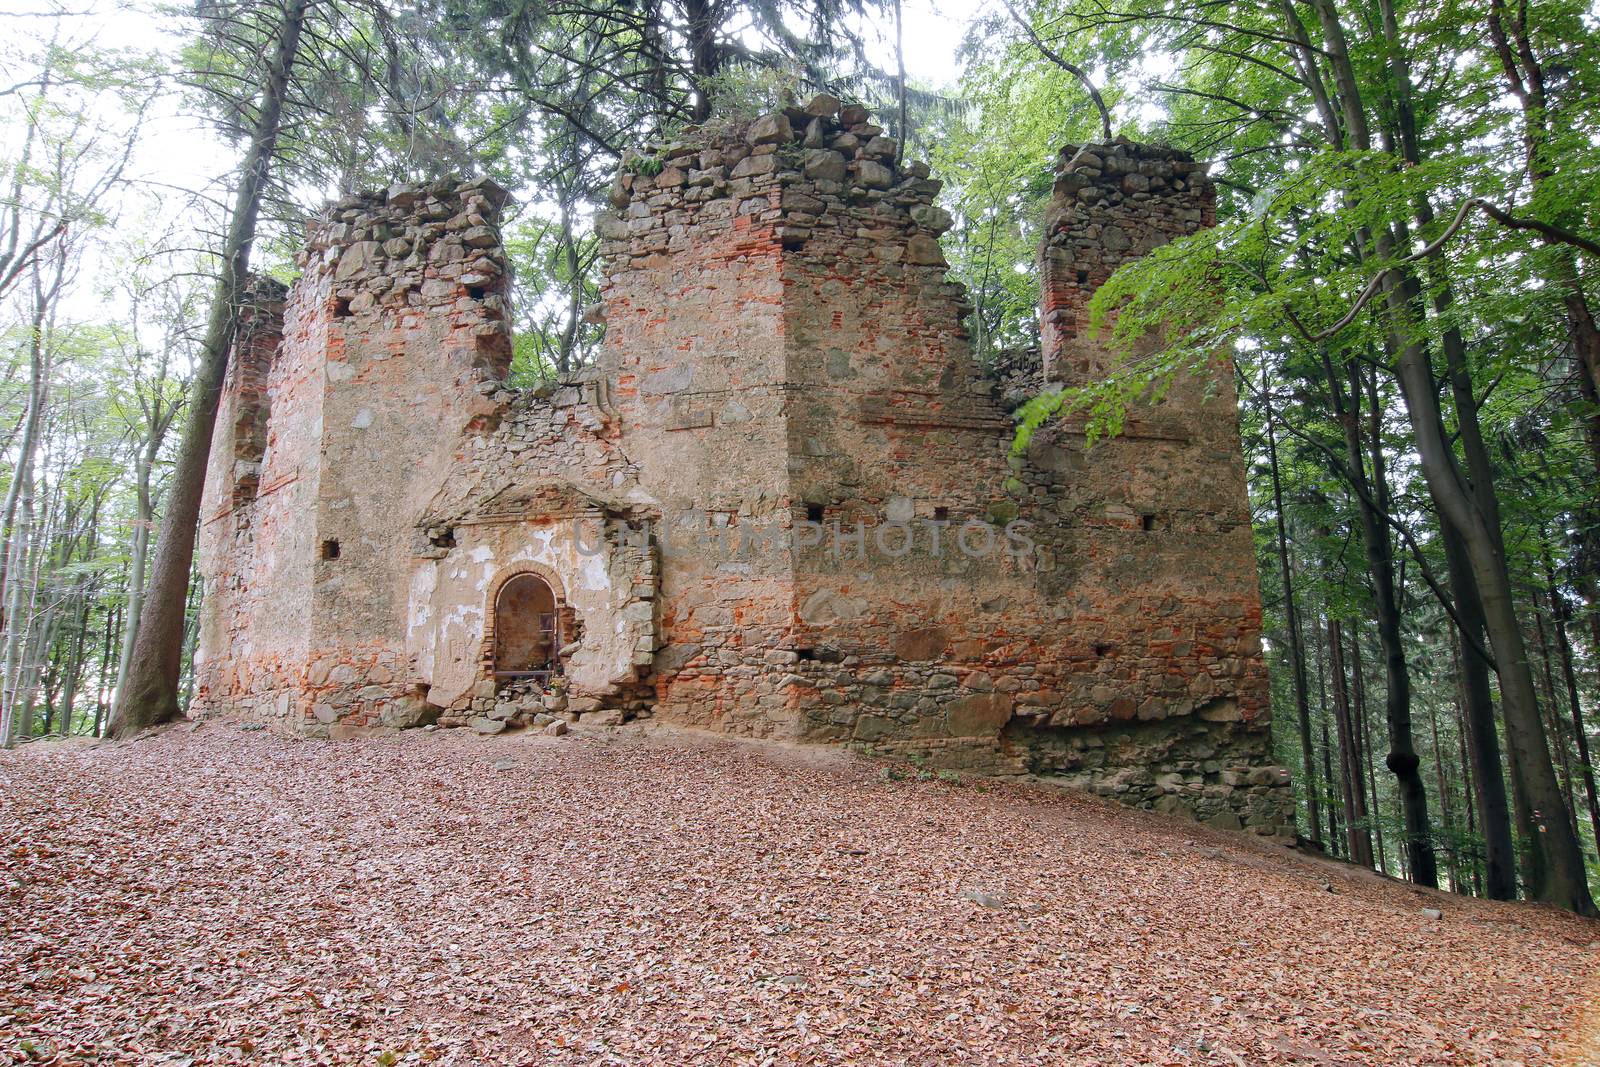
x: 220, y: 896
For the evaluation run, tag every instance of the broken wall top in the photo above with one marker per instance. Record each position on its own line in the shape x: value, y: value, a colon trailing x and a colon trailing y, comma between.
x: 433, y: 249
x: 1111, y: 204
x: 786, y: 175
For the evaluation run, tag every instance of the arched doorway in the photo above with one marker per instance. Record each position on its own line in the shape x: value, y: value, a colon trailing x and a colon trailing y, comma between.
x: 527, y: 628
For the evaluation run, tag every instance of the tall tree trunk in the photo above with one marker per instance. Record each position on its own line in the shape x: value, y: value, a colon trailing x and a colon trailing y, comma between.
x: 1468, y: 783
x: 569, y: 250
x: 1562, y: 878
x: 103, y: 689
x: 704, y: 56
x: 42, y: 634
x: 1443, y: 785
x: 904, y: 130
x: 19, y: 500
x: 1364, y: 767
x: 1482, y: 738
x: 73, y: 673
x: 1327, y: 776
x: 1372, y: 505
x: 1481, y: 471
x: 1558, y: 870
x: 150, y: 693
x: 138, y: 552
x: 1297, y: 659
x: 18, y: 712
x: 1352, y: 779
x: 1562, y: 613
x: 1335, y: 833
x: 1402, y: 762
x: 43, y: 608
x: 191, y: 640
x: 1547, y: 679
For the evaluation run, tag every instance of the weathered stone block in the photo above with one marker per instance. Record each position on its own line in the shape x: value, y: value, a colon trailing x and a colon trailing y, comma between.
x: 823, y: 106
x: 979, y: 715
x: 925, y: 251
x: 769, y: 129
x: 873, y: 175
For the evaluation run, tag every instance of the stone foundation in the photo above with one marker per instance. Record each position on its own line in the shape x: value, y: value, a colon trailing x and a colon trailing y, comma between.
x: 760, y: 511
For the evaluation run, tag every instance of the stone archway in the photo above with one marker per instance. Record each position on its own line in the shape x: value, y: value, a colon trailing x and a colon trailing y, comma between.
x: 527, y: 627
x: 527, y: 624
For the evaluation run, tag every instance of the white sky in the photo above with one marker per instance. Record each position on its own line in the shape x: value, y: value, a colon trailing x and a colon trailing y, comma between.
x: 178, y: 149
x: 933, y: 32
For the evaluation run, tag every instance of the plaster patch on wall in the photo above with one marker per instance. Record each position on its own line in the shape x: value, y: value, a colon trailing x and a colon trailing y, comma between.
x: 423, y: 581
x: 593, y: 574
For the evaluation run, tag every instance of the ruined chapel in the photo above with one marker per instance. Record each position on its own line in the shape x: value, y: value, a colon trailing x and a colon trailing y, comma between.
x: 782, y: 503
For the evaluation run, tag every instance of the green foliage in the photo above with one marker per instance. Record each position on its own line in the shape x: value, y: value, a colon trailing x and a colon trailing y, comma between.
x: 554, y: 284
x: 1284, y: 284
x: 646, y: 165
x: 744, y: 92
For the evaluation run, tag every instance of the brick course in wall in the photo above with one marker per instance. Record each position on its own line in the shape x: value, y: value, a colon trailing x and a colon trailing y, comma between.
x: 783, y: 503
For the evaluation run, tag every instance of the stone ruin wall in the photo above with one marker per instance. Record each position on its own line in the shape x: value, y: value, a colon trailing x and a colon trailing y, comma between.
x: 252, y: 547
x: 234, y: 522
x: 388, y: 337
x: 1159, y: 615
x: 1112, y: 658
x: 782, y: 344
x: 694, y: 305
x: 546, y: 489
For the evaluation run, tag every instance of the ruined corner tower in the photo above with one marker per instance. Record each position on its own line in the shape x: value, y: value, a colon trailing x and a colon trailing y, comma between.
x: 782, y: 503
x: 341, y: 413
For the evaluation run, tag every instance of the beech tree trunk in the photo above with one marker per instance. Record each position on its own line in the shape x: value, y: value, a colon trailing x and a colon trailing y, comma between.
x: 1442, y: 782
x: 1335, y: 833
x: 18, y: 517
x: 1402, y: 761
x: 1560, y: 877
x: 1570, y: 677
x: 107, y: 643
x: 138, y: 551
x: 1475, y: 868
x: 1358, y: 722
x: 1481, y: 737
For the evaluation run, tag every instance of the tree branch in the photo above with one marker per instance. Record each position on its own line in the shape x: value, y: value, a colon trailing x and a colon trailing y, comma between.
x: 1067, y: 65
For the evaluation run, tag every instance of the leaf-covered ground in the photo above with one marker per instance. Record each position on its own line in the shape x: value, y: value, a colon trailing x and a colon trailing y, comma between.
x: 220, y: 896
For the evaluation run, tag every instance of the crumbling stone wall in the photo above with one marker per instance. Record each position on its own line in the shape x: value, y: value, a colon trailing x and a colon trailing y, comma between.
x: 230, y: 533
x: 1122, y: 653
x: 783, y: 503
x: 1163, y: 675
x: 696, y: 303
x: 397, y: 321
